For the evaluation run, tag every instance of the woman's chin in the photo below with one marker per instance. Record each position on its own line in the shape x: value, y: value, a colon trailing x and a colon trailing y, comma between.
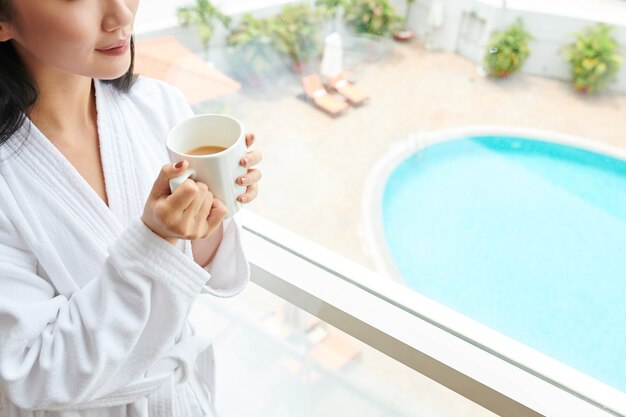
x: 113, y: 70
x: 112, y: 74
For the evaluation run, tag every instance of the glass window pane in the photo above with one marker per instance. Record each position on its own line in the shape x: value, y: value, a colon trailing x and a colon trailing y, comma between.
x: 274, y: 359
x: 481, y: 163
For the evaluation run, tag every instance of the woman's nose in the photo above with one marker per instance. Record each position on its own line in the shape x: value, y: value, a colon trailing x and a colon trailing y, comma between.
x: 118, y: 14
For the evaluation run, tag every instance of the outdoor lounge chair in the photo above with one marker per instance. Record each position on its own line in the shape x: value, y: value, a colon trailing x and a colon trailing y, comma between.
x: 353, y: 94
x: 317, y: 94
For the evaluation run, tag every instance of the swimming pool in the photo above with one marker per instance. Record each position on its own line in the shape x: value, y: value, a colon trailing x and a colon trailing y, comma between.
x: 525, y: 236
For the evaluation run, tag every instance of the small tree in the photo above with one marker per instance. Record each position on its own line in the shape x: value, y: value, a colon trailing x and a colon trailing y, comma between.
x: 296, y: 33
x: 507, y: 51
x: 594, y: 58
x: 374, y: 17
x: 204, y: 15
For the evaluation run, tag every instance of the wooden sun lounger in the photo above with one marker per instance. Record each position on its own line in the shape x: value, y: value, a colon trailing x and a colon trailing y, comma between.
x: 353, y: 94
x: 317, y: 94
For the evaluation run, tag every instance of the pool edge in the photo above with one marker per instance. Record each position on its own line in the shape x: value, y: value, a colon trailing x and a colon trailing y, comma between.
x: 504, y: 347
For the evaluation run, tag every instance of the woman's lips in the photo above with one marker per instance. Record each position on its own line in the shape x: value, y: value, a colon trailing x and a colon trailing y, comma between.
x: 117, y: 48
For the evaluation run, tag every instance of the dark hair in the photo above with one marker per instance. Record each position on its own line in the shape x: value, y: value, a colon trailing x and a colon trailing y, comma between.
x: 18, y: 90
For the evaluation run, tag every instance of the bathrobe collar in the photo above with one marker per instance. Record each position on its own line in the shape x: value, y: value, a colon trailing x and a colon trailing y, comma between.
x: 116, y: 154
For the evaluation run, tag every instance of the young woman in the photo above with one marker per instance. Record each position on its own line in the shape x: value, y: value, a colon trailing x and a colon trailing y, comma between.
x: 99, y: 262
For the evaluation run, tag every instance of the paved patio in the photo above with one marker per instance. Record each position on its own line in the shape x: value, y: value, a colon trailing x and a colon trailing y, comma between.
x: 316, y: 167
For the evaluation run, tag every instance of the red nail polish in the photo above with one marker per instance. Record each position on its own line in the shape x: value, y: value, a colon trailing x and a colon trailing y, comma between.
x: 178, y: 165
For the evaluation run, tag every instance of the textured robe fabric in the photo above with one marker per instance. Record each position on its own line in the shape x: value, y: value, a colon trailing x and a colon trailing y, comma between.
x: 93, y: 304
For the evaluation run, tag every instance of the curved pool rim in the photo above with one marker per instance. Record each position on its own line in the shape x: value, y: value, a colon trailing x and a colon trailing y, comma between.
x: 490, y: 340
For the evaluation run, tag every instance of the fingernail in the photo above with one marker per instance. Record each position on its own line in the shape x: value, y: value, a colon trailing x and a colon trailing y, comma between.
x: 243, y: 199
x: 243, y: 180
x: 244, y: 161
x: 178, y: 165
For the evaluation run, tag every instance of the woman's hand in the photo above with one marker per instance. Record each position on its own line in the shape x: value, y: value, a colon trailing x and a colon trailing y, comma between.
x: 253, y: 176
x: 190, y: 212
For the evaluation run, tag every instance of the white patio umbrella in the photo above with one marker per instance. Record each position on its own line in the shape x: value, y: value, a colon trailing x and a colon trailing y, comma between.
x: 332, y: 56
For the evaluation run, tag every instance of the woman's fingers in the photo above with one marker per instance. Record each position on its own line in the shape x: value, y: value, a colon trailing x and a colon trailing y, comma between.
x: 202, y: 195
x: 204, y: 210
x: 253, y: 176
x: 250, y: 194
x: 183, y: 196
x: 161, y: 187
x: 250, y: 138
x: 216, y: 215
x: 188, y: 213
x: 250, y: 159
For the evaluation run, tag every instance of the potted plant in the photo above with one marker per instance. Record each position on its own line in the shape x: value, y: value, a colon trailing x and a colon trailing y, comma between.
x: 374, y: 17
x: 251, y: 51
x: 404, y: 34
x: 296, y: 33
x: 594, y: 58
x: 329, y: 9
x: 204, y: 15
x: 507, y: 51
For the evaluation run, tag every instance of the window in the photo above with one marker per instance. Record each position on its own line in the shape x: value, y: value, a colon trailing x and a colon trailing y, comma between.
x: 465, y: 186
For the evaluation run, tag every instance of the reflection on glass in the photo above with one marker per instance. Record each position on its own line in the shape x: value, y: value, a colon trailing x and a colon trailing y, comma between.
x: 277, y: 360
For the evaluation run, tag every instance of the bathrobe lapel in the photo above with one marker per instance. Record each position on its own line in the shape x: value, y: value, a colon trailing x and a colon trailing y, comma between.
x: 127, y: 183
x: 64, y: 220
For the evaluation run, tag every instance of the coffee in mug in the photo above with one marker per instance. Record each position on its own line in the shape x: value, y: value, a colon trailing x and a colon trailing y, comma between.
x: 213, y: 144
x: 205, y: 150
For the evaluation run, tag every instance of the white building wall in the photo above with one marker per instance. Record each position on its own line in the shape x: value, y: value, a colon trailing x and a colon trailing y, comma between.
x: 550, y: 33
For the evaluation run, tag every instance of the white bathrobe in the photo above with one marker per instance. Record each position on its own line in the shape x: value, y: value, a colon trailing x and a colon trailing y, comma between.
x: 93, y: 304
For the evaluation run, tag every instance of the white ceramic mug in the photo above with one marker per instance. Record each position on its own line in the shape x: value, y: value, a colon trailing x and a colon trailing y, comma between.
x: 219, y: 171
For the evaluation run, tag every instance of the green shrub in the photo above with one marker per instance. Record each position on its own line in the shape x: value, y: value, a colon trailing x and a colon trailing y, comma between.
x: 374, y: 17
x: 507, y: 51
x: 294, y: 33
x: 594, y: 58
x: 297, y: 33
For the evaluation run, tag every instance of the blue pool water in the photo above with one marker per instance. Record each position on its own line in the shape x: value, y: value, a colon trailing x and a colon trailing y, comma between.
x: 524, y: 236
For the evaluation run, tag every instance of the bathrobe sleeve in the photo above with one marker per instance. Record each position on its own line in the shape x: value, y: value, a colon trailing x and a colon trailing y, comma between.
x: 58, y: 353
x: 229, y: 268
